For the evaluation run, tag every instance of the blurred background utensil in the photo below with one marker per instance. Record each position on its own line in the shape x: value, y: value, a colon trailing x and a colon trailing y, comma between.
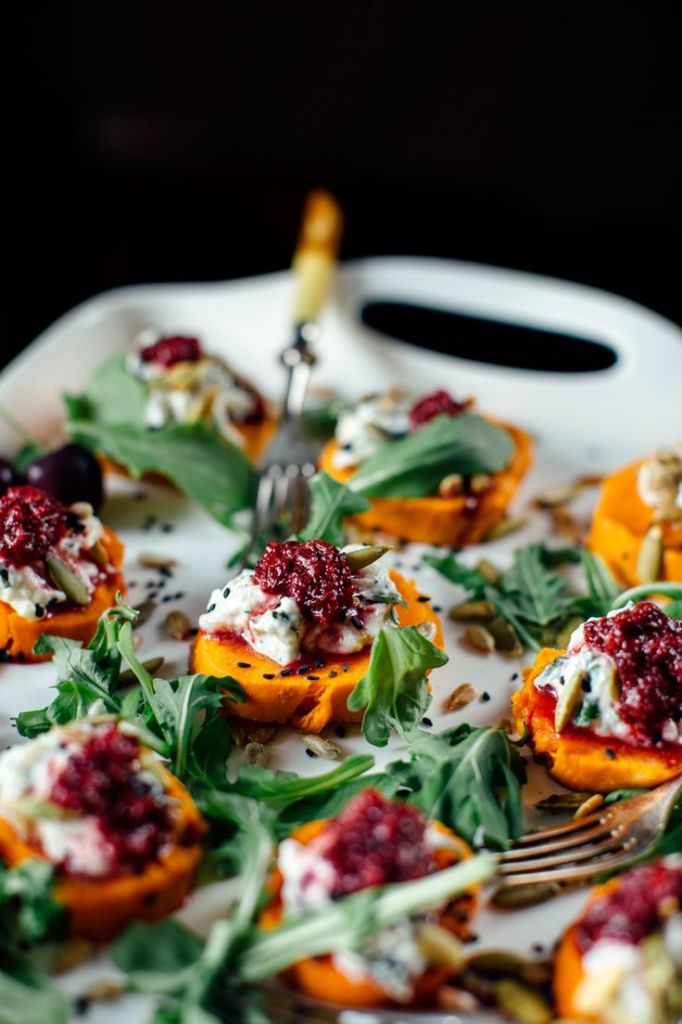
x: 289, y: 461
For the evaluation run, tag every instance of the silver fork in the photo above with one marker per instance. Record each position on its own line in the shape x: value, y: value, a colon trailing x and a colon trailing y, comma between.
x: 609, y: 838
x: 289, y: 462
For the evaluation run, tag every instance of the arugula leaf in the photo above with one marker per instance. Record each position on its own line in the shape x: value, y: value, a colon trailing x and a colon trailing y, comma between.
x: 329, y: 803
x: 394, y: 691
x: 602, y: 587
x: 157, y: 958
x: 468, y: 778
x: 28, y: 910
x: 331, y: 503
x: 110, y: 418
x: 320, y: 422
x: 414, y: 466
x: 281, y: 788
x: 539, y: 596
x: 26, y: 994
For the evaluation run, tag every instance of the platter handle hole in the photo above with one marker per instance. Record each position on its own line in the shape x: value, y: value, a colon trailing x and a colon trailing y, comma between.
x: 481, y: 340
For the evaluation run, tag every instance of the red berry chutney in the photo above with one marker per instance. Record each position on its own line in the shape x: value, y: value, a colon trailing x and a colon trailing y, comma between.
x: 316, y: 575
x: 176, y: 348
x: 374, y: 841
x: 103, y: 780
x: 646, y: 647
x: 637, y: 906
x: 439, y: 403
x: 31, y: 523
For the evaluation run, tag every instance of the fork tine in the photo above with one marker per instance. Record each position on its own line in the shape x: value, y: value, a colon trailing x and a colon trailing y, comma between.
x: 574, y: 825
x: 579, y: 872
x: 565, y: 842
x: 590, y: 852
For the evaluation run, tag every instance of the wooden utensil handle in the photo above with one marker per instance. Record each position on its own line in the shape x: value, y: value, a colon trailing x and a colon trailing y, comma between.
x: 316, y: 251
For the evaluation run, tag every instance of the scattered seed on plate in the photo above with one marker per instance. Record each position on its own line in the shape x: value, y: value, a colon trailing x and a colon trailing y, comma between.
x: 489, y: 572
x: 320, y: 746
x: 513, y: 897
x: 456, y: 1000
x: 504, y: 635
x: 156, y: 561
x: 256, y: 753
x: 521, y: 1003
x: 440, y: 947
x: 593, y: 803
x: 460, y: 697
x: 562, y: 494
x: 178, y: 625
x: 566, y: 525
x: 650, y: 557
x: 557, y: 803
x: 507, y: 526
x: 101, y: 992
x: 506, y: 725
x: 479, y: 638
x: 466, y: 610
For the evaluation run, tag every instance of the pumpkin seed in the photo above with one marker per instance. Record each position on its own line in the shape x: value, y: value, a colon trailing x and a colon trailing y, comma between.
x: 557, y: 803
x: 568, y: 698
x: 505, y: 637
x: 513, y: 897
x: 178, y: 625
x: 589, y: 805
x: 256, y: 753
x: 562, y: 494
x: 152, y: 561
x: 65, y: 578
x: 82, y: 509
x: 451, y: 485
x: 566, y: 525
x: 506, y: 725
x: 488, y: 571
x: 479, y: 482
x: 650, y: 557
x: 320, y: 746
x: 460, y: 697
x: 144, y: 612
x: 502, y: 963
x: 589, y: 480
x: 456, y: 1000
x: 506, y: 526
x: 479, y: 638
x: 440, y: 947
x: 99, y: 553
x: 521, y: 1003
x: 466, y: 610
x: 360, y: 558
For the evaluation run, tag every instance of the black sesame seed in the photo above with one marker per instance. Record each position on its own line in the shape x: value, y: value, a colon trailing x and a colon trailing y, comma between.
x: 285, y: 672
x: 133, y: 583
x: 422, y: 598
x: 179, y: 596
x: 243, y: 664
x: 485, y: 696
x: 4, y: 575
x: 345, y: 666
x: 139, y: 495
x: 226, y: 592
x: 81, y: 1006
x: 313, y: 678
x: 340, y: 731
x: 211, y: 608
x: 611, y: 754
x: 427, y: 723
x: 150, y: 584
x: 310, y: 753
x: 167, y: 527
x: 194, y: 631
x: 153, y: 594
x: 166, y: 598
x: 319, y: 663
x: 357, y: 622
x: 39, y: 610
x: 514, y: 677
x: 537, y: 947
x: 437, y: 608
x: 333, y: 674
x: 166, y: 572
x: 303, y: 669
x: 268, y: 675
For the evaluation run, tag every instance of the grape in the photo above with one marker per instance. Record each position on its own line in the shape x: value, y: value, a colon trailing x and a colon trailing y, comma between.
x: 70, y: 473
x: 9, y: 475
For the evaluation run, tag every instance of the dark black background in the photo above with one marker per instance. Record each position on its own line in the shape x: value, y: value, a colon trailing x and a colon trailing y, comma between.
x: 157, y: 142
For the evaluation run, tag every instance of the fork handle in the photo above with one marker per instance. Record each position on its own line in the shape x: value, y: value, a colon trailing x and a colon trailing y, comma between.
x: 316, y: 251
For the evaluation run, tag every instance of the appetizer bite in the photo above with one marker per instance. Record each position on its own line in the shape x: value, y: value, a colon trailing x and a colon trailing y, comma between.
x: 637, y: 524
x: 372, y: 842
x: 449, y: 486
x: 185, y: 385
x: 297, y: 630
x: 120, y: 832
x: 620, y: 962
x: 60, y: 567
x: 605, y: 714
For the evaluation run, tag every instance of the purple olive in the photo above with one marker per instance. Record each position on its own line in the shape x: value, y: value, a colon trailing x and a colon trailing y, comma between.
x: 9, y: 475
x: 70, y: 473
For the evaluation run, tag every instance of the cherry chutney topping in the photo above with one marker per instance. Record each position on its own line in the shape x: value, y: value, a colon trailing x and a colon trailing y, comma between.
x: 374, y: 841
x: 32, y: 522
x: 103, y: 780
x: 438, y: 403
x: 645, y: 645
x: 175, y: 348
x: 315, y: 574
x: 636, y: 907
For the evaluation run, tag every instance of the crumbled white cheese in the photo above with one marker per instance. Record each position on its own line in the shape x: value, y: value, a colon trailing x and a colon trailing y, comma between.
x: 659, y: 479
x: 27, y: 592
x: 30, y: 769
x: 275, y: 627
x: 308, y: 877
x: 76, y: 844
x: 599, y: 696
x: 363, y: 428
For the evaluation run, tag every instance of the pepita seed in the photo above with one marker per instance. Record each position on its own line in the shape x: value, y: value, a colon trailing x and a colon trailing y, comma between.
x: 479, y: 482
x: 451, y: 485
x: 506, y: 526
x: 82, y: 509
x: 488, y: 571
x: 178, y: 625
x: 562, y: 494
x: 467, y: 610
x: 502, y: 963
x: 99, y: 553
x: 70, y: 954
x: 65, y: 579
x: 589, y: 480
x: 557, y: 803
x: 514, y: 897
x: 440, y: 947
x: 506, y: 725
x: 460, y: 697
x: 568, y: 698
x: 320, y: 746
x: 479, y: 638
x: 650, y: 558
x: 152, y: 561
x: 360, y: 558
x: 565, y: 524
x: 505, y: 637
x: 591, y: 804
x: 144, y: 612
x: 256, y: 753
x: 520, y: 1003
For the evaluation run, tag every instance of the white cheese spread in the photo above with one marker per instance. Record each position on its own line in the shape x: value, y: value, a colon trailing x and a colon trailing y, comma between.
x: 368, y: 424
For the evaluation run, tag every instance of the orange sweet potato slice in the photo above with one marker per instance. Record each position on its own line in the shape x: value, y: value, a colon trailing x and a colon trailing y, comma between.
x: 307, y: 703
x: 619, y: 524
x: 443, y: 521
x: 320, y: 979
x: 18, y: 636
x: 579, y: 759
x: 99, y: 908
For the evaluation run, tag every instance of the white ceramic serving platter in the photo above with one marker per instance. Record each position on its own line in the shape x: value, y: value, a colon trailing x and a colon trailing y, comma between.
x: 582, y: 423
